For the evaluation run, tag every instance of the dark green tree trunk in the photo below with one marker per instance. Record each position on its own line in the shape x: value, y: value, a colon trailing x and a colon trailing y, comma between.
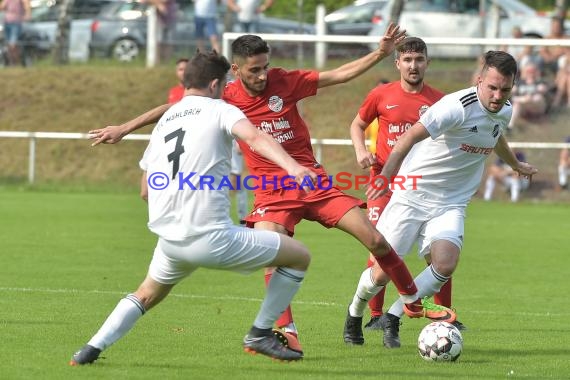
x: 396, y: 11
x: 61, y: 48
x: 561, y: 7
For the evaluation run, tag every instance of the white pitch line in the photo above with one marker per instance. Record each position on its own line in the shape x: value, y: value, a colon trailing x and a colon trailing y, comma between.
x: 249, y: 299
x: 112, y: 292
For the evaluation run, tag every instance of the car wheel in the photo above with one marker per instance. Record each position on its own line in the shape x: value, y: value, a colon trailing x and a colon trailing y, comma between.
x: 125, y: 50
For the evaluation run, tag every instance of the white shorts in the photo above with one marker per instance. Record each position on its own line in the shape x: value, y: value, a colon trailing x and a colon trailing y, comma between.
x: 237, y: 160
x: 404, y: 224
x: 237, y: 249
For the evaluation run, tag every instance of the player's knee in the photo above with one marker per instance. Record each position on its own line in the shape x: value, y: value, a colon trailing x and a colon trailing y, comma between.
x: 379, y: 277
x: 378, y: 245
x: 293, y: 254
x: 445, y: 267
x: 304, y: 259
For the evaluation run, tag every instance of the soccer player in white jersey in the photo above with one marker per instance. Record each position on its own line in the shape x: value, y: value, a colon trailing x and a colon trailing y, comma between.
x: 443, y: 154
x: 188, y: 166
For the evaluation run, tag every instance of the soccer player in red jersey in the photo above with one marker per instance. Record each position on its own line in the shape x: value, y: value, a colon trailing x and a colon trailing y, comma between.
x: 396, y: 106
x: 176, y: 93
x: 269, y: 99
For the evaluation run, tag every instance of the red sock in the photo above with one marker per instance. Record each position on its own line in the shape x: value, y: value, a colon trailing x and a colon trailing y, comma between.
x: 287, y: 316
x: 398, y: 272
x: 376, y: 303
x: 443, y: 297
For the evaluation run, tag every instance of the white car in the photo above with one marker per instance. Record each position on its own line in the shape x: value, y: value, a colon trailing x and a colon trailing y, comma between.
x: 461, y: 19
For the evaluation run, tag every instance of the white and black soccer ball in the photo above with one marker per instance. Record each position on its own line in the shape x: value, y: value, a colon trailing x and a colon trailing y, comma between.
x: 440, y: 342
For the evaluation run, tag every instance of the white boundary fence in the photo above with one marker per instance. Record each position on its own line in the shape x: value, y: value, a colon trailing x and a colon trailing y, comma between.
x: 318, y: 144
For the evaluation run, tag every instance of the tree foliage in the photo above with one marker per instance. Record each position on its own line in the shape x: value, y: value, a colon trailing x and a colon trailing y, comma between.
x: 290, y: 9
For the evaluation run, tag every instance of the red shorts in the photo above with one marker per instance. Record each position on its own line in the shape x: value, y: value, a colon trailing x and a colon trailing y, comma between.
x: 376, y: 206
x: 289, y: 207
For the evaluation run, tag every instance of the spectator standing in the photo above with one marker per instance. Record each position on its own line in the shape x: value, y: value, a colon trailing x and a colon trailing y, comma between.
x: 15, y: 13
x: 166, y: 12
x: 206, y: 20
x: 228, y: 16
x: 247, y: 12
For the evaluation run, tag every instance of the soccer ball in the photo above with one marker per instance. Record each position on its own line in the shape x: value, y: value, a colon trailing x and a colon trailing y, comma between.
x: 440, y: 342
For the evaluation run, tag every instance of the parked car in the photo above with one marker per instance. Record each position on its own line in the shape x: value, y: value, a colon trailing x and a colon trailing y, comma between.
x: 461, y: 19
x: 39, y: 33
x: 120, y: 30
x: 356, y: 19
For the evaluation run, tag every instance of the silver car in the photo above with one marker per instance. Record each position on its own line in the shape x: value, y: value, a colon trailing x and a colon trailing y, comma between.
x: 44, y: 23
x: 120, y: 31
x: 356, y: 19
x: 461, y: 19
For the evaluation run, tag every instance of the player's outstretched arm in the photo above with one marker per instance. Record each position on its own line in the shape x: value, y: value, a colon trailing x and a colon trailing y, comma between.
x: 405, y: 143
x: 351, y: 70
x: 506, y: 154
x: 363, y: 157
x: 114, y: 133
x: 265, y: 145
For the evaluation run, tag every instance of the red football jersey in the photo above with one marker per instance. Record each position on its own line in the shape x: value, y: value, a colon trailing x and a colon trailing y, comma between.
x: 175, y: 94
x: 275, y: 112
x: 396, y: 111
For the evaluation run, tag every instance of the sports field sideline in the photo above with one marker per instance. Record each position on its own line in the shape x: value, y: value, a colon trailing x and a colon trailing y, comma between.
x: 67, y: 258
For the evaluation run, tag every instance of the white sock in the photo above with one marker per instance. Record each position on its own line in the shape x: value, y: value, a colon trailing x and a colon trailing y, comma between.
x: 118, y: 323
x: 241, y: 204
x: 364, y: 292
x: 428, y: 283
x: 284, y: 284
x: 515, y: 189
x: 290, y: 328
x: 489, y: 188
x: 562, y: 175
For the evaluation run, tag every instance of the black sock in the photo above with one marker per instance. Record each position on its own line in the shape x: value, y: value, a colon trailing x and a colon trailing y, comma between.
x: 257, y: 332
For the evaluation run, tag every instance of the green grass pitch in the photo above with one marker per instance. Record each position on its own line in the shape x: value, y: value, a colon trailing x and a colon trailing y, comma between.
x: 68, y: 257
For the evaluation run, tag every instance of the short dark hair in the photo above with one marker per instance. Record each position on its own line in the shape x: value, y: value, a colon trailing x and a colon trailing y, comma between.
x: 205, y: 67
x: 180, y: 60
x: 411, y: 45
x: 249, y: 45
x: 502, y: 61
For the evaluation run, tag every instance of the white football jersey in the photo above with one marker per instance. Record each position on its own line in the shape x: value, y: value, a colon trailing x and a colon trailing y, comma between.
x: 188, y: 165
x: 451, y: 162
